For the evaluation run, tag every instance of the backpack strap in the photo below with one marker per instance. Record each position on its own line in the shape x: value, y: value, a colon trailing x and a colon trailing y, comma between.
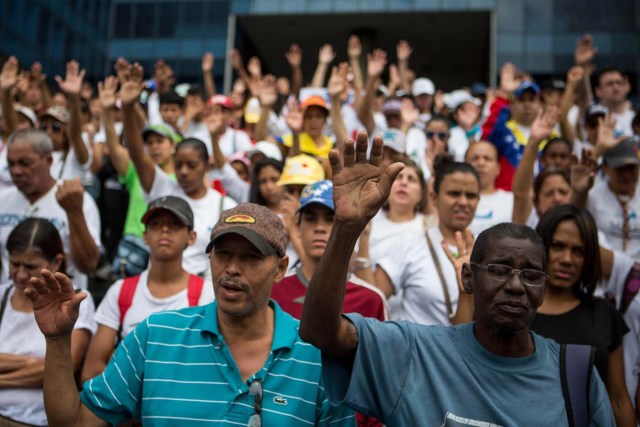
x: 194, y: 289
x: 129, y: 285
x: 576, y: 369
x: 631, y: 287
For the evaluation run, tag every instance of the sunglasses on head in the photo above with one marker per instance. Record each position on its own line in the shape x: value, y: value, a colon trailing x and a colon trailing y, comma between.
x: 440, y: 135
x: 54, y: 126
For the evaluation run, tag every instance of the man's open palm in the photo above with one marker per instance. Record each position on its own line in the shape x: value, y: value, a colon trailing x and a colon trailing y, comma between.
x: 360, y: 186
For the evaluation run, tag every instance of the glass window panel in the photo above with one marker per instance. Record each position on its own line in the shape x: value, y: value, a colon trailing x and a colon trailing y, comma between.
x: 216, y: 22
x: 168, y: 19
x: 192, y: 19
x: 122, y: 21
x: 144, y: 20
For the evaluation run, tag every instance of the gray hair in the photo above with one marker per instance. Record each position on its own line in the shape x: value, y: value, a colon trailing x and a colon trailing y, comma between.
x: 37, y: 139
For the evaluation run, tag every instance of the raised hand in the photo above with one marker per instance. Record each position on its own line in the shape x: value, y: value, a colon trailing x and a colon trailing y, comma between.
x: 338, y: 80
x: 394, y: 76
x: 354, y: 47
x: 544, y: 123
x: 163, y: 75
x: 268, y: 94
x: 585, y: 51
x: 376, y: 61
x: 9, y: 74
x: 235, y: 58
x: 132, y: 84
x: 509, y: 80
x: 215, y: 121
x: 56, y: 304
x: 574, y: 75
x: 583, y: 171
x: 464, y: 245
x: 254, y: 66
x: 121, y: 66
x: 467, y: 115
x: 107, y: 92
x: 438, y: 100
x: 239, y: 86
x: 326, y: 54
x: 408, y: 112
x: 36, y: 73
x: 294, y: 55
x: 70, y: 195
x: 294, y: 117
x: 207, y: 62
x: 72, y: 83
x: 360, y: 186
x: 403, y: 50
x: 23, y: 81
x: 606, y: 139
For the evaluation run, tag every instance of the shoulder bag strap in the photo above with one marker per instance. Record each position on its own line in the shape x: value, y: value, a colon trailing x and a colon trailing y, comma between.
x: 443, y: 282
x: 5, y: 300
x: 125, y: 299
x: 576, y: 368
x: 194, y: 289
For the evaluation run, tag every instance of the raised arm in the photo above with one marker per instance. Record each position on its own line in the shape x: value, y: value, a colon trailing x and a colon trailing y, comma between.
x: 403, y: 53
x: 130, y: 90
x: 325, y: 57
x: 268, y: 96
x: 56, y: 306
x: 583, y: 173
x: 523, y: 177
x: 354, y: 51
x: 207, y: 74
x: 360, y: 187
x: 574, y: 77
x: 294, y: 58
x: 84, y: 251
x: 40, y: 79
x: 118, y: 154
x: 376, y: 61
x: 336, y: 86
x: 71, y: 86
x: 8, y: 80
x: 295, y: 121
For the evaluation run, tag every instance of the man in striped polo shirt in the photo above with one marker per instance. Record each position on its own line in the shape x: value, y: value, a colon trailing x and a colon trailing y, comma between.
x: 237, y: 361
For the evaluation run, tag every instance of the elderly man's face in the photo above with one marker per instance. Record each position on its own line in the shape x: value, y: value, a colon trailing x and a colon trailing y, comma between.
x: 505, y: 306
x: 242, y: 276
x: 29, y: 170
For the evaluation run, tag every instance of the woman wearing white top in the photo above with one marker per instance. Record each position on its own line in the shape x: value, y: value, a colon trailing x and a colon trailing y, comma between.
x: 33, y: 245
x: 418, y: 265
x: 191, y: 163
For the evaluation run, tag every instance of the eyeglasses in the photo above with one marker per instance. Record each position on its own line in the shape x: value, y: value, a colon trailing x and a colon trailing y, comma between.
x: 54, y: 126
x: 255, y: 396
x: 440, y: 135
x: 501, y: 273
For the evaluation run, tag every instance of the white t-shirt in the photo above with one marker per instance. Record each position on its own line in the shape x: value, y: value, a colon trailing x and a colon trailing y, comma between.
x: 14, y: 207
x: 143, y: 304
x: 20, y: 335
x: 69, y: 167
x: 5, y: 176
x: 412, y: 271
x: 385, y: 234
x: 606, y: 210
x: 622, y: 264
x: 234, y: 141
x: 206, y: 212
x: 623, y: 122
x: 416, y: 149
x: 458, y: 143
x: 492, y: 209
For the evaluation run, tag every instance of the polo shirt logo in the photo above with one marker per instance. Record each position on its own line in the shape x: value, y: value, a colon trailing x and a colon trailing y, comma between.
x: 279, y: 400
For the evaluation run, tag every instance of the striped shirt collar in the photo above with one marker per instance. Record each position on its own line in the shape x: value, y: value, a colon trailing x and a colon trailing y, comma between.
x: 285, y: 333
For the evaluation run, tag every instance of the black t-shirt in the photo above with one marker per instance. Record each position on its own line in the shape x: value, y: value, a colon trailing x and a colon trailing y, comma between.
x: 595, y: 323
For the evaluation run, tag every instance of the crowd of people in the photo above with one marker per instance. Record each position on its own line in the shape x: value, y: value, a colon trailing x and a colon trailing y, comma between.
x: 277, y: 252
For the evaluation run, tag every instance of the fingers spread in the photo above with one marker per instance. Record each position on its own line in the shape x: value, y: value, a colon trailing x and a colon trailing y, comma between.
x: 376, y: 151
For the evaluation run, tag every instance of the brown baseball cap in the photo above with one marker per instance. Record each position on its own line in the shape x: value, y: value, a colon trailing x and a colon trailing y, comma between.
x: 256, y: 223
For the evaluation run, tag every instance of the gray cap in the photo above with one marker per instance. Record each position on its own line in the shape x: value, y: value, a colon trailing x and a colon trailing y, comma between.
x: 625, y: 153
x: 177, y: 206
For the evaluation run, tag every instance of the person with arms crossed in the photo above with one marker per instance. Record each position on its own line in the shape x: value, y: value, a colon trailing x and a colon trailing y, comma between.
x: 494, y: 362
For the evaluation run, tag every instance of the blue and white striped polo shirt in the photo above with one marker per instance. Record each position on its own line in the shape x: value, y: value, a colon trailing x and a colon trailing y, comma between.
x: 175, y: 369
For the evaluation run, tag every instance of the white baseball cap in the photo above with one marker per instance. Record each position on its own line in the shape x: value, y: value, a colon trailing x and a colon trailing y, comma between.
x: 455, y: 99
x: 394, y: 139
x: 423, y: 86
x: 269, y: 149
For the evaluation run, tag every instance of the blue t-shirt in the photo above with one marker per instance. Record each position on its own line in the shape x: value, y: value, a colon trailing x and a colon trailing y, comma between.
x: 175, y: 369
x: 407, y: 374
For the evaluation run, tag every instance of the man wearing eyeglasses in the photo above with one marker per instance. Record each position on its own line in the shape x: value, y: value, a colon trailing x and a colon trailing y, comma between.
x: 492, y: 371
x: 612, y: 89
x: 236, y: 361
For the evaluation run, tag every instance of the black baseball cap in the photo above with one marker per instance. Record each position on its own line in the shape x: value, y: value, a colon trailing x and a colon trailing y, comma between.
x: 177, y: 206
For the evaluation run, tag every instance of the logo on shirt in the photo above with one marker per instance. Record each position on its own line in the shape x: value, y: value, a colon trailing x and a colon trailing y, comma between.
x: 279, y: 400
x: 240, y: 219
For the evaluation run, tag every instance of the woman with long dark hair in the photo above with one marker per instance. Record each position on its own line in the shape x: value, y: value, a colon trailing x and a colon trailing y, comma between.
x: 570, y: 313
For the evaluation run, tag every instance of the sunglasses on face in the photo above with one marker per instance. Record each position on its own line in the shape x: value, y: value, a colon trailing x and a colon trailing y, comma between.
x: 54, y: 126
x: 440, y: 135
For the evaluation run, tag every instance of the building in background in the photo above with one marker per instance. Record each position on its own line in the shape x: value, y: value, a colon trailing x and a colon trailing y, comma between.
x: 455, y: 42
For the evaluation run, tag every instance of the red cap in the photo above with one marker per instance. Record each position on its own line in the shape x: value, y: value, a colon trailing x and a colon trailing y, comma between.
x: 221, y: 100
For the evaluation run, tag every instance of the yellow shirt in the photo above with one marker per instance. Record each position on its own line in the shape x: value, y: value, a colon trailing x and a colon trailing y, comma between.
x: 308, y: 145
